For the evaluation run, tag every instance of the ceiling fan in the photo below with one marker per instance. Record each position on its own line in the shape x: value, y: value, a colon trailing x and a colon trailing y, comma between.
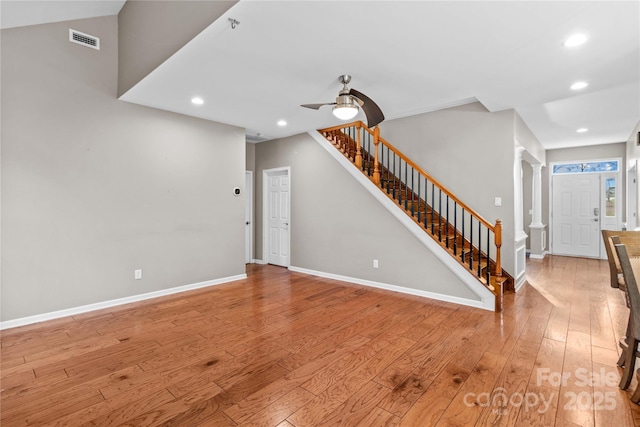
x: 348, y: 102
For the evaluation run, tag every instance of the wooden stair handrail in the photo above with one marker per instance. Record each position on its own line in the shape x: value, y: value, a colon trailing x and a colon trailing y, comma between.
x: 360, y: 124
x: 496, y: 287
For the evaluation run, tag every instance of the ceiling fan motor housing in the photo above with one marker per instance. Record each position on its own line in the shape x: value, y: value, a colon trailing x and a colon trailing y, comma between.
x: 345, y: 100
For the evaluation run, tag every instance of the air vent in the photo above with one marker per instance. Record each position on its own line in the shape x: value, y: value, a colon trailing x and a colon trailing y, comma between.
x: 84, y: 39
x: 255, y: 139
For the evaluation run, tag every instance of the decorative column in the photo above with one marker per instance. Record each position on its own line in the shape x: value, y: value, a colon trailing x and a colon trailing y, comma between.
x: 520, y: 236
x: 538, y: 230
x: 517, y: 195
x: 536, y: 220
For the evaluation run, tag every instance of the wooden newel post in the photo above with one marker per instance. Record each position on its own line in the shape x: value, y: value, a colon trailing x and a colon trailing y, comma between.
x: 498, y: 241
x: 498, y: 283
x: 358, y: 149
x: 376, y: 165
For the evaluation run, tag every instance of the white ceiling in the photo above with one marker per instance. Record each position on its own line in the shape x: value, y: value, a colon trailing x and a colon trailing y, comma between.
x: 18, y: 13
x: 410, y: 57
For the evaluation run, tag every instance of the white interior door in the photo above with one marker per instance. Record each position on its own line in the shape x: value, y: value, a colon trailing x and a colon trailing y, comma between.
x: 278, y: 217
x: 248, y: 217
x: 576, y: 215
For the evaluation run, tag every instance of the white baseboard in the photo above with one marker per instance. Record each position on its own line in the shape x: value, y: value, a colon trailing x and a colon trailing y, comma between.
x: 519, y: 282
x: 112, y: 303
x: 534, y: 256
x: 484, y: 294
x: 257, y: 261
x: 485, y: 304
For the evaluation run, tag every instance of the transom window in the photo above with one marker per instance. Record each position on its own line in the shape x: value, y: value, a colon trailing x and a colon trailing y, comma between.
x: 586, y: 167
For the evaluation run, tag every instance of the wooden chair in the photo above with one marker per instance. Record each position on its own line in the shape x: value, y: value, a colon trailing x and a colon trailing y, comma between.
x: 611, y: 238
x: 629, y: 238
x: 630, y: 268
x: 632, y: 246
x: 615, y: 271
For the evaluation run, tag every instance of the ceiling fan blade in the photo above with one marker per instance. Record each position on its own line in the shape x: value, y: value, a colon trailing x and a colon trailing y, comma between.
x: 316, y: 106
x: 370, y: 108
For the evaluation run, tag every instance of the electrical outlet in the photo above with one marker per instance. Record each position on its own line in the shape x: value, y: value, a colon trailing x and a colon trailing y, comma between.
x: 375, y: 263
x: 137, y: 274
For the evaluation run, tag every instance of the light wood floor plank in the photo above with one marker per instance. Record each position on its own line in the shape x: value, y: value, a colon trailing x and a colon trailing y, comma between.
x: 283, y: 349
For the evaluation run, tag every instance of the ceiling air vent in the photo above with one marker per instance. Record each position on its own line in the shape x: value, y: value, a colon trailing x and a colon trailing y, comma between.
x: 84, y: 39
x: 255, y: 139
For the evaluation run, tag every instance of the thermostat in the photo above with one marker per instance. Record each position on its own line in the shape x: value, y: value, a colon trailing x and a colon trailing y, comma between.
x: 236, y: 191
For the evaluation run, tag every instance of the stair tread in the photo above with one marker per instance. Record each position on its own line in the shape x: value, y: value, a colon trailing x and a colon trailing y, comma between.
x: 436, y: 225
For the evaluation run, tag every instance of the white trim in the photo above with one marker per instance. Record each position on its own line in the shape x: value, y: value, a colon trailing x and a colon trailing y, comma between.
x: 520, y: 246
x: 550, y: 194
x: 257, y: 261
x: 485, y: 295
x: 537, y: 226
x: 534, y: 256
x: 265, y: 213
x: 432, y: 295
x: 112, y: 303
x: 249, y: 174
x: 520, y: 281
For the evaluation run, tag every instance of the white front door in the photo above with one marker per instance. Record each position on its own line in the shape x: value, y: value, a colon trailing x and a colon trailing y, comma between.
x: 278, y: 217
x: 576, y: 214
x: 248, y: 217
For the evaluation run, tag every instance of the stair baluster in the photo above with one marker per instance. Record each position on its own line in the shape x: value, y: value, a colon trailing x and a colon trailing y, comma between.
x: 366, y: 149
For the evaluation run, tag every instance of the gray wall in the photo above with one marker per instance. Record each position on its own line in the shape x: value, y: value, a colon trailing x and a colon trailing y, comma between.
x: 524, y: 137
x: 471, y: 152
x: 338, y: 227
x: 250, y: 163
x: 592, y: 152
x: 93, y: 188
x: 151, y: 31
x: 632, y: 147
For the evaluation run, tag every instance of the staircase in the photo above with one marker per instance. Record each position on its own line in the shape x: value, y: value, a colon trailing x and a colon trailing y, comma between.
x: 470, y: 239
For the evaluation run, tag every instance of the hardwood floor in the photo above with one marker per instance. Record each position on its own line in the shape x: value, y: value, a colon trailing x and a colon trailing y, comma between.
x: 284, y: 349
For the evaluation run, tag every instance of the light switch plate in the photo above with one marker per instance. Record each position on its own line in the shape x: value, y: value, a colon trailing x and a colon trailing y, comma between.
x: 498, y: 201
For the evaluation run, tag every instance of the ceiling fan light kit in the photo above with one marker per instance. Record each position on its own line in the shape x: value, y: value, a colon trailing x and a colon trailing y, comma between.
x: 345, y: 111
x: 348, y: 102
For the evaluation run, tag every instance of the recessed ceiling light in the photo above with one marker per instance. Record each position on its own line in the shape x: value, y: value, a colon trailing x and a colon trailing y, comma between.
x: 579, y: 85
x: 582, y: 130
x: 197, y: 100
x: 282, y: 123
x: 575, y: 40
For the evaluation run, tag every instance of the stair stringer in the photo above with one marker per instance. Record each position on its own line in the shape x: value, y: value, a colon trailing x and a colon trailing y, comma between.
x: 487, y: 298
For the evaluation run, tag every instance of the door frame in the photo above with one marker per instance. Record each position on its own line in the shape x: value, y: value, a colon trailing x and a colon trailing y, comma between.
x: 619, y: 193
x: 265, y: 210
x: 248, y: 177
x: 632, y: 197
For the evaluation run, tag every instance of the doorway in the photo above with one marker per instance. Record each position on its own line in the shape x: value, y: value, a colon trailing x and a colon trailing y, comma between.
x: 576, y: 215
x: 584, y: 200
x: 248, y: 217
x: 632, y: 199
x: 276, y: 216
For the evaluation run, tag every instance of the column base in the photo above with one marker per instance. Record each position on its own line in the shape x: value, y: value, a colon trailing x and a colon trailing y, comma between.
x: 538, y: 240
